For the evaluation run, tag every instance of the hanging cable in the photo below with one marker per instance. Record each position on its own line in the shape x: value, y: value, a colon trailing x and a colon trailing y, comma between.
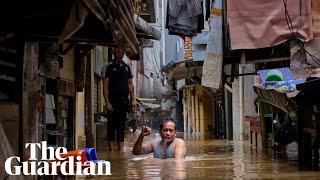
x: 294, y: 34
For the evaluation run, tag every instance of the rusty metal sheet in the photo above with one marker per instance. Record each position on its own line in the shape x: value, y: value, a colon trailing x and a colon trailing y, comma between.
x: 277, y: 99
x: 259, y: 24
x: 314, y: 45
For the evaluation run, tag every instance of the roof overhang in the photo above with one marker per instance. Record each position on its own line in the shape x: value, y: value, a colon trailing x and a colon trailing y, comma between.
x: 146, y: 27
x: 99, y: 22
x: 183, y: 70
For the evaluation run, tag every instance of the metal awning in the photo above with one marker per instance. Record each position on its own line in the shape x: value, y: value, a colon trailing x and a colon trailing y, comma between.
x: 183, y: 69
x: 150, y: 105
x: 145, y: 103
x: 307, y: 92
x: 145, y: 99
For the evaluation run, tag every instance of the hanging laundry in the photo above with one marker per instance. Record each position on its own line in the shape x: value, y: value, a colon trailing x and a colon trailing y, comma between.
x: 192, y: 6
x: 183, y: 17
x: 212, y: 67
x: 208, y: 8
x: 200, y: 22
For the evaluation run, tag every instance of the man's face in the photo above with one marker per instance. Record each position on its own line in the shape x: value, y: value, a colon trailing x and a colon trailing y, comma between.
x: 168, y: 132
x: 118, y: 55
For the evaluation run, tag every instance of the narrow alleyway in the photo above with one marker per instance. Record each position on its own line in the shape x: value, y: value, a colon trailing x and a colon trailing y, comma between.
x: 206, y: 159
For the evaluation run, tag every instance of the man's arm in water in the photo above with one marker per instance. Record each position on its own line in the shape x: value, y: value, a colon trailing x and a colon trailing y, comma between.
x: 141, y: 148
x: 180, y: 150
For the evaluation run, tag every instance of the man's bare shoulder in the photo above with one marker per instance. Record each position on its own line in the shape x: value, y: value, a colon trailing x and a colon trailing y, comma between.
x: 155, y: 142
x: 179, y: 140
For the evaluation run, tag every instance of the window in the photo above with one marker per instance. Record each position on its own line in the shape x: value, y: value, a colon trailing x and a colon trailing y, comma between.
x: 8, y: 74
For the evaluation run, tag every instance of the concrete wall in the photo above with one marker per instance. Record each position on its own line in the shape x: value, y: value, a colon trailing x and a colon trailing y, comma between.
x: 237, y: 125
x: 249, y: 94
x: 174, y: 48
x: 157, y: 10
x: 199, y: 45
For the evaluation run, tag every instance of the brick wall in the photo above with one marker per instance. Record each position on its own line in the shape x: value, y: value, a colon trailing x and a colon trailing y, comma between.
x: 187, y: 48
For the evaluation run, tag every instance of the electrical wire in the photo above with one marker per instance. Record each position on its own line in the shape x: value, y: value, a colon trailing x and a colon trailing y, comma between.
x: 290, y: 26
x: 293, y: 34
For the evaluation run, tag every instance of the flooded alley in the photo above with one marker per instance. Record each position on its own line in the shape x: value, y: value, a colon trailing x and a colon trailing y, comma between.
x: 237, y: 81
x: 207, y: 159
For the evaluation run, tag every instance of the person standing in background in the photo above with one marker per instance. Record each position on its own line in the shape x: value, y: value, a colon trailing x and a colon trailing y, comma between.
x: 117, y: 86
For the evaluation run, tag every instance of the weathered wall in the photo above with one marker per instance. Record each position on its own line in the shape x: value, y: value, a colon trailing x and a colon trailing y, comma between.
x: 149, y: 83
x: 199, y: 45
x: 10, y: 123
x: 67, y: 72
x: 207, y: 111
x: 174, y: 49
x: 198, y: 111
x: 249, y: 96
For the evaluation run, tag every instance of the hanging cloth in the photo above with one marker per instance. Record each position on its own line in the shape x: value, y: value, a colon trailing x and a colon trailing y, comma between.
x: 182, y: 19
x: 194, y: 7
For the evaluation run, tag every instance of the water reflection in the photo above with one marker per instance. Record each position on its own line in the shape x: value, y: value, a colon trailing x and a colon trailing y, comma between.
x: 205, y: 159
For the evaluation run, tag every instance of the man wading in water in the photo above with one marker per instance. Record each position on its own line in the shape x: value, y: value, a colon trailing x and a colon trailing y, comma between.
x: 168, y: 147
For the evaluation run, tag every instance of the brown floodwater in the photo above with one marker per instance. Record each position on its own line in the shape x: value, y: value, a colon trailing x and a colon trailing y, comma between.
x: 206, y: 159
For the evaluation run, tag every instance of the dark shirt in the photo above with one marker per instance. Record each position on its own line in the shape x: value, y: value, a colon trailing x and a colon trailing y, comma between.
x: 118, y: 80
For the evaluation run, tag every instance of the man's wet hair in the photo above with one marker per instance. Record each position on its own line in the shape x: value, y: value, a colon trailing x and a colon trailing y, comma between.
x: 168, y: 120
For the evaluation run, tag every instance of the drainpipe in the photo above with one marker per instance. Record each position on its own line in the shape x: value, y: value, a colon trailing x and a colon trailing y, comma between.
x: 241, y: 97
x: 163, y: 22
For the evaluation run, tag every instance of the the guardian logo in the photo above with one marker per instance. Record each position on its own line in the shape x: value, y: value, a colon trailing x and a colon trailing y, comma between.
x: 56, y: 161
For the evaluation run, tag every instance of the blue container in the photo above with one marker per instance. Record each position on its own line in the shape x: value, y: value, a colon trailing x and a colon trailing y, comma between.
x: 91, y: 154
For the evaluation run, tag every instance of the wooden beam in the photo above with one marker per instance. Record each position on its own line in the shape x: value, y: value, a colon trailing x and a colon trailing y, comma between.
x: 201, y: 113
x: 257, y: 61
x: 89, y: 102
x: 7, y: 78
x: 32, y: 100
x: 185, y: 112
x: 78, y: 40
x: 228, y: 88
x: 197, y: 118
x: 189, y: 110
x: 68, y: 48
x: 8, y: 64
x: 263, y: 125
